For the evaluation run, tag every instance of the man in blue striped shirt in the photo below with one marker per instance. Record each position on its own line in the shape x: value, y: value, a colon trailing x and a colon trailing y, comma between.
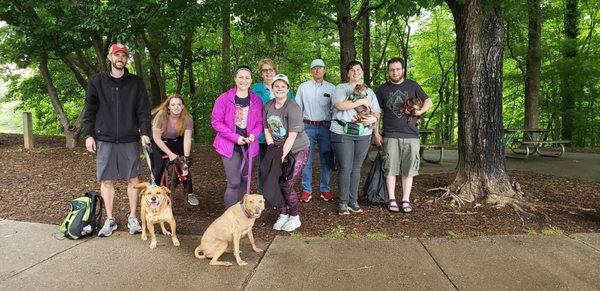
x: 314, y: 97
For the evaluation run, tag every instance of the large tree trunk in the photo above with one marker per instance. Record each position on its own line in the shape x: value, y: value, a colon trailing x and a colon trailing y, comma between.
x: 567, y: 88
x: 533, y: 65
x: 479, y: 39
x: 366, y: 47
x: 346, y: 32
x: 225, y: 44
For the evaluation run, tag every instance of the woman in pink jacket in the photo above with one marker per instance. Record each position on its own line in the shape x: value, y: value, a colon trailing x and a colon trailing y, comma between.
x: 237, y: 119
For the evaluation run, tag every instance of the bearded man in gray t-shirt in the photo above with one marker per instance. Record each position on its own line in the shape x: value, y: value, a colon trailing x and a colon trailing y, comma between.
x: 400, y: 133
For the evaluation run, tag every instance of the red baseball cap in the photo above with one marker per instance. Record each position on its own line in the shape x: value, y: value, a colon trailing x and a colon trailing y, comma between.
x: 117, y: 47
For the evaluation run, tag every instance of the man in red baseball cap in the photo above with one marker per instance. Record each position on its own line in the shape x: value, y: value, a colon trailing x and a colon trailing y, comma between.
x: 117, y: 115
x: 117, y: 47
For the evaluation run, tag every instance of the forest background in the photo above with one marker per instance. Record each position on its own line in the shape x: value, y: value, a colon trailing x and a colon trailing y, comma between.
x: 48, y: 49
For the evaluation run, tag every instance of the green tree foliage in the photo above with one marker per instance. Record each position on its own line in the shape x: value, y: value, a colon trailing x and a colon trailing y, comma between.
x: 176, y: 46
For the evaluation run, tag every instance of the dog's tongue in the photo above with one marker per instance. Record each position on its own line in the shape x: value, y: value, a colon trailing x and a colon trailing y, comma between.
x: 153, y: 205
x: 185, y: 172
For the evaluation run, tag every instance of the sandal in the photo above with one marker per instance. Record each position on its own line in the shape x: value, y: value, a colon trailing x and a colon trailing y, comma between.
x: 392, y: 208
x: 406, y: 209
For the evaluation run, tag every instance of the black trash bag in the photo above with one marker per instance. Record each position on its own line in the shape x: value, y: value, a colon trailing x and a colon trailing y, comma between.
x: 374, y: 188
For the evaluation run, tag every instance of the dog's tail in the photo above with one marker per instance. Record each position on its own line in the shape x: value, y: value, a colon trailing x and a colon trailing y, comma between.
x: 198, y: 251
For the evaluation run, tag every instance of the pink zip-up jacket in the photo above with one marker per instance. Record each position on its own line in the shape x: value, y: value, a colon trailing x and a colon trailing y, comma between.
x: 223, y: 122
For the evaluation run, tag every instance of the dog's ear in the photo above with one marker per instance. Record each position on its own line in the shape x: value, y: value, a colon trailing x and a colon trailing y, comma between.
x: 142, y: 185
x: 246, y: 197
x: 166, y: 189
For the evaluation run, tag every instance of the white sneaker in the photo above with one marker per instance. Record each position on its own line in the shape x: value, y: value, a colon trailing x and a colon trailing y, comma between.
x: 292, y: 224
x: 283, y: 218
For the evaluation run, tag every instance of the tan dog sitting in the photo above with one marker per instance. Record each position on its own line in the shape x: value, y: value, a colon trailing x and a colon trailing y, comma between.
x: 235, y: 223
x: 360, y: 92
x: 156, y: 208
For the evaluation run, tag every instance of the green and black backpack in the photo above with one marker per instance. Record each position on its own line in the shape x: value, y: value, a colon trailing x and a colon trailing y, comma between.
x: 84, y: 217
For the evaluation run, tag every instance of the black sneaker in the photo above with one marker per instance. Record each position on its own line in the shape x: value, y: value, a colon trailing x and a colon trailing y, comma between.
x: 354, y: 207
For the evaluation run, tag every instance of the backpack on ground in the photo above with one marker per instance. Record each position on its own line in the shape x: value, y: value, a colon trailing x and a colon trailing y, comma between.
x: 84, y: 217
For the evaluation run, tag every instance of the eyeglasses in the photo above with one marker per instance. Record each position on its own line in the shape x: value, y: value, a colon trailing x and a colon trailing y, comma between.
x: 267, y: 70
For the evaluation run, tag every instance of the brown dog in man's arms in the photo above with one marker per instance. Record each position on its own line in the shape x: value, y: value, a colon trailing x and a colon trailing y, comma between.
x: 235, y: 223
x: 155, y: 207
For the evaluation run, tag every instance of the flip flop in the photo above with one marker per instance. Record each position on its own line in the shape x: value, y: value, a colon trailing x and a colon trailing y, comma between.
x: 406, y: 209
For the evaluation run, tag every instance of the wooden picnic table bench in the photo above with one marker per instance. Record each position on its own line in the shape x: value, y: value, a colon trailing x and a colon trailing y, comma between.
x: 536, y: 138
x: 436, y: 146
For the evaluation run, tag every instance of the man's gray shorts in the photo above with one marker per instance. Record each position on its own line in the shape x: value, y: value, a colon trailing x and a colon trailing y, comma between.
x: 401, y: 157
x: 117, y: 161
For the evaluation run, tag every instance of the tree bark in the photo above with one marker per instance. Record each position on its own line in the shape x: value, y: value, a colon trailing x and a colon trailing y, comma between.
x: 71, y: 131
x: 225, y: 44
x: 346, y: 32
x: 366, y: 48
x: 533, y: 65
x: 568, y: 83
x: 156, y: 70
x: 479, y: 43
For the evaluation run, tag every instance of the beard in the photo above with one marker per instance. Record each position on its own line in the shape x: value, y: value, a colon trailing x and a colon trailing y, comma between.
x: 396, y: 79
x: 117, y: 65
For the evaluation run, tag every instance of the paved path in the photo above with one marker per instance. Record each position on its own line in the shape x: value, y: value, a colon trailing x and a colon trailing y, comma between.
x: 33, y: 257
x: 571, y: 165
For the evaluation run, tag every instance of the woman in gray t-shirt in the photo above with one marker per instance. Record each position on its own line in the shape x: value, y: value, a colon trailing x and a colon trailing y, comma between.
x: 351, y: 135
x: 284, y: 127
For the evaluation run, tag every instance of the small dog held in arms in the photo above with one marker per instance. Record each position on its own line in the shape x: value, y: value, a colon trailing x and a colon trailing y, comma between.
x: 156, y: 208
x: 410, y: 106
x: 235, y: 223
x: 360, y: 92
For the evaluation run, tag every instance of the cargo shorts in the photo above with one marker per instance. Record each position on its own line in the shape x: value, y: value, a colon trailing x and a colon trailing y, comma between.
x: 401, y: 157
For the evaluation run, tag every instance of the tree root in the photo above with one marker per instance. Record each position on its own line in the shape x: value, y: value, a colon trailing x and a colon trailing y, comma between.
x: 493, y: 198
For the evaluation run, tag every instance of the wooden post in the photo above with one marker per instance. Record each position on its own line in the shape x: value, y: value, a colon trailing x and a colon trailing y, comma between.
x: 437, y: 133
x: 27, y: 130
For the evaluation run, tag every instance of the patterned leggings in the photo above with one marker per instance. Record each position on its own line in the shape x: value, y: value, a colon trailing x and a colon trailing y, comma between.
x: 289, y: 194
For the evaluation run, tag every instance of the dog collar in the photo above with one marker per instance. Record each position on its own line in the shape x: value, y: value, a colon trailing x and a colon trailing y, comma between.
x: 248, y: 215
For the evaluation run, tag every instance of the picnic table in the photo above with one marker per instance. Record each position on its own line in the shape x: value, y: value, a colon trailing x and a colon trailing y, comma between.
x: 424, y: 133
x: 536, y: 138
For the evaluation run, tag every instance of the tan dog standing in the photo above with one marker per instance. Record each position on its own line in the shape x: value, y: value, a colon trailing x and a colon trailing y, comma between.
x: 156, y: 208
x: 235, y: 223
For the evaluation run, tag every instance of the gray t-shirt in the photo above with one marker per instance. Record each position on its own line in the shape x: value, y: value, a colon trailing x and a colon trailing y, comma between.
x: 341, y: 93
x: 391, y: 98
x: 286, y: 119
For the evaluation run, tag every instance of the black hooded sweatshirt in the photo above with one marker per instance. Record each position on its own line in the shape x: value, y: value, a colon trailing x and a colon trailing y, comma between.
x: 116, y: 109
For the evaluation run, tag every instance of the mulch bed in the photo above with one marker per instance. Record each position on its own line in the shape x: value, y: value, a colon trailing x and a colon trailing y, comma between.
x: 37, y: 185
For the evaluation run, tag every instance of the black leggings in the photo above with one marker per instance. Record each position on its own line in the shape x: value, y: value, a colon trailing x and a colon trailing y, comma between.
x: 159, y: 164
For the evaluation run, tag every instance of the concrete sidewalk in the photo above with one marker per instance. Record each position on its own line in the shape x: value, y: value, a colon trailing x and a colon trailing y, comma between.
x: 33, y: 257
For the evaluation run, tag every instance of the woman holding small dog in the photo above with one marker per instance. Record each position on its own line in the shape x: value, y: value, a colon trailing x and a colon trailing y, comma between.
x: 284, y: 127
x: 237, y: 119
x: 172, y: 136
x: 350, y: 135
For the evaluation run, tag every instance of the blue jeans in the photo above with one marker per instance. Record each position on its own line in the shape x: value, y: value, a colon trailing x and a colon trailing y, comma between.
x: 317, y: 135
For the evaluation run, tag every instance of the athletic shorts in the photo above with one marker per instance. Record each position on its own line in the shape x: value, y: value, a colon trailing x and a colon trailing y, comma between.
x: 117, y: 161
x: 401, y: 157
